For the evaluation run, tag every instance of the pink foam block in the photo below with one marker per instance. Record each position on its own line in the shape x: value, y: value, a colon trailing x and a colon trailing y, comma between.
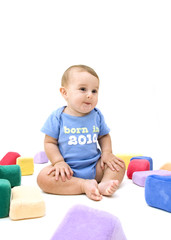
x: 10, y: 158
x: 40, y: 157
x: 137, y: 165
x: 139, y: 178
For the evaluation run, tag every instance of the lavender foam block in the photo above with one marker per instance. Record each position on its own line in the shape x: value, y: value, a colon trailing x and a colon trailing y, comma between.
x: 139, y: 178
x: 40, y: 158
x: 85, y: 223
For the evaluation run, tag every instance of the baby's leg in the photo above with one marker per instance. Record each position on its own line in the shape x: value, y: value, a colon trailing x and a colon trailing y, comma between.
x: 74, y: 186
x: 108, y: 180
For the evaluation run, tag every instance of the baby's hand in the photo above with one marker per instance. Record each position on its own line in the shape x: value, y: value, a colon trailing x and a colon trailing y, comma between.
x: 111, y: 161
x: 61, y: 169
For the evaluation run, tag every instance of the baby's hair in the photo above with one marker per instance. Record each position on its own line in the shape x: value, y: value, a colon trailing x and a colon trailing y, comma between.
x: 81, y: 68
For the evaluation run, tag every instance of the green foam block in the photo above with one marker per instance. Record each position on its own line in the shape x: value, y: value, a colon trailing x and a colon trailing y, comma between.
x: 5, y: 196
x: 12, y: 173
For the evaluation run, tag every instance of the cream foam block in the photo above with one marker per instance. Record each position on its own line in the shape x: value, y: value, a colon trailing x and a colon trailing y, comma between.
x: 26, y: 165
x: 27, y: 202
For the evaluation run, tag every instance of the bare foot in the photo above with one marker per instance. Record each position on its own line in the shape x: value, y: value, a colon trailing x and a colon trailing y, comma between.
x: 109, y: 187
x: 90, y: 187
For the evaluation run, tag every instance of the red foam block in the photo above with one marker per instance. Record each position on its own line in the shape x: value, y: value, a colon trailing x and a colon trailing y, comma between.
x: 136, y: 166
x: 10, y: 158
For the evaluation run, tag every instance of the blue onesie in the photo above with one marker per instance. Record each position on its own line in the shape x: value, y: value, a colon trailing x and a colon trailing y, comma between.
x: 77, y: 139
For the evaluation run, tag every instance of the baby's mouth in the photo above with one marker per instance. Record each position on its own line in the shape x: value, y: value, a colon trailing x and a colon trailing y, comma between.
x: 87, y: 103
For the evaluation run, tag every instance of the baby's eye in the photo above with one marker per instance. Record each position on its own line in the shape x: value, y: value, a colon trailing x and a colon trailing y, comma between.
x: 83, y: 89
x: 94, y: 91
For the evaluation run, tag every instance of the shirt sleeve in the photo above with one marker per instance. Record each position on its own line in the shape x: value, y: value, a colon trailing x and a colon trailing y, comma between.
x: 104, y: 129
x: 51, y: 126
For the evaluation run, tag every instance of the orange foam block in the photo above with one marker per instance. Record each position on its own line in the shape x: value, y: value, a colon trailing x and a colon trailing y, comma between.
x: 166, y: 166
x: 26, y: 165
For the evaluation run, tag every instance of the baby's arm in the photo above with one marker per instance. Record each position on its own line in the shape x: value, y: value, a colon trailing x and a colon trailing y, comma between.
x: 59, y: 166
x: 107, y: 157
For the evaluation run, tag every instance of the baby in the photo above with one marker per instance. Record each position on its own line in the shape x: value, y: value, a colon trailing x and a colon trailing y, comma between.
x: 72, y: 136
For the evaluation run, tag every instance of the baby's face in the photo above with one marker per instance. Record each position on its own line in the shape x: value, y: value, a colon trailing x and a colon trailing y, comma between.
x: 82, y: 92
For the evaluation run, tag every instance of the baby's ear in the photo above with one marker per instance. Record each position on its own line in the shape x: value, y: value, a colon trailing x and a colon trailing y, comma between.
x: 63, y: 92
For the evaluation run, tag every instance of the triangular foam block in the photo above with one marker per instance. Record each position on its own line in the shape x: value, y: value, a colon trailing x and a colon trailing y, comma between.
x: 10, y: 158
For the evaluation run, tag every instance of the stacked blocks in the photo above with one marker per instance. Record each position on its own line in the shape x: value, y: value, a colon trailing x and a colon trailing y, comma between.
x: 166, y: 166
x: 27, y: 202
x: 5, y: 196
x: 158, y: 192
x: 126, y: 158
x: 137, y: 165
x: 146, y: 158
x: 40, y: 157
x: 84, y: 223
x: 12, y: 173
x: 9, y: 158
x: 139, y: 178
x: 26, y: 164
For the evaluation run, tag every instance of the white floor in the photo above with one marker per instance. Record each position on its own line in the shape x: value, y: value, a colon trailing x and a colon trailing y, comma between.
x: 139, y: 221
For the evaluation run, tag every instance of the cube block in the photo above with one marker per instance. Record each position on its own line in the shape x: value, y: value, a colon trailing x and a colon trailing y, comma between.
x: 10, y: 158
x: 84, y: 223
x: 166, y: 166
x: 12, y: 173
x: 40, y: 157
x: 158, y: 192
x: 26, y: 165
x: 126, y: 158
x: 139, y: 178
x: 27, y: 202
x: 5, y: 196
x: 137, y: 165
x: 146, y: 158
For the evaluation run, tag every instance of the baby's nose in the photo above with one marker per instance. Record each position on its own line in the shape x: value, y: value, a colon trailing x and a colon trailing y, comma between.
x: 89, y: 94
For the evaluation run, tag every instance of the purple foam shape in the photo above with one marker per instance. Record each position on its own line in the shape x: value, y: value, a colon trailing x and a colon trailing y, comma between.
x: 139, y: 177
x: 40, y: 157
x: 84, y: 223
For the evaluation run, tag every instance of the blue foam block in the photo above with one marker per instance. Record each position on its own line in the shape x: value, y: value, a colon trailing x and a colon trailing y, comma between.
x: 84, y: 223
x: 158, y: 192
x: 146, y: 158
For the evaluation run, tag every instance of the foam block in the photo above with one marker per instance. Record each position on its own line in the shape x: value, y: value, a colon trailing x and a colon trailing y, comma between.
x: 126, y: 158
x: 144, y: 157
x: 12, y: 173
x: 139, y: 178
x: 26, y: 164
x: 10, y: 158
x: 158, y: 192
x: 27, y: 202
x: 166, y: 166
x: 40, y: 157
x: 137, y: 165
x: 84, y: 223
x: 5, y: 196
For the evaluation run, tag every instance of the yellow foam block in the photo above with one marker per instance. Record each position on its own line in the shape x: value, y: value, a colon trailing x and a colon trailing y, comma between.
x: 27, y: 202
x: 126, y: 158
x: 26, y: 165
x: 166, y: 166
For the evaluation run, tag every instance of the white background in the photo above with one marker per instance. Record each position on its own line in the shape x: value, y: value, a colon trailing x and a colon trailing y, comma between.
x: 126, y: 42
